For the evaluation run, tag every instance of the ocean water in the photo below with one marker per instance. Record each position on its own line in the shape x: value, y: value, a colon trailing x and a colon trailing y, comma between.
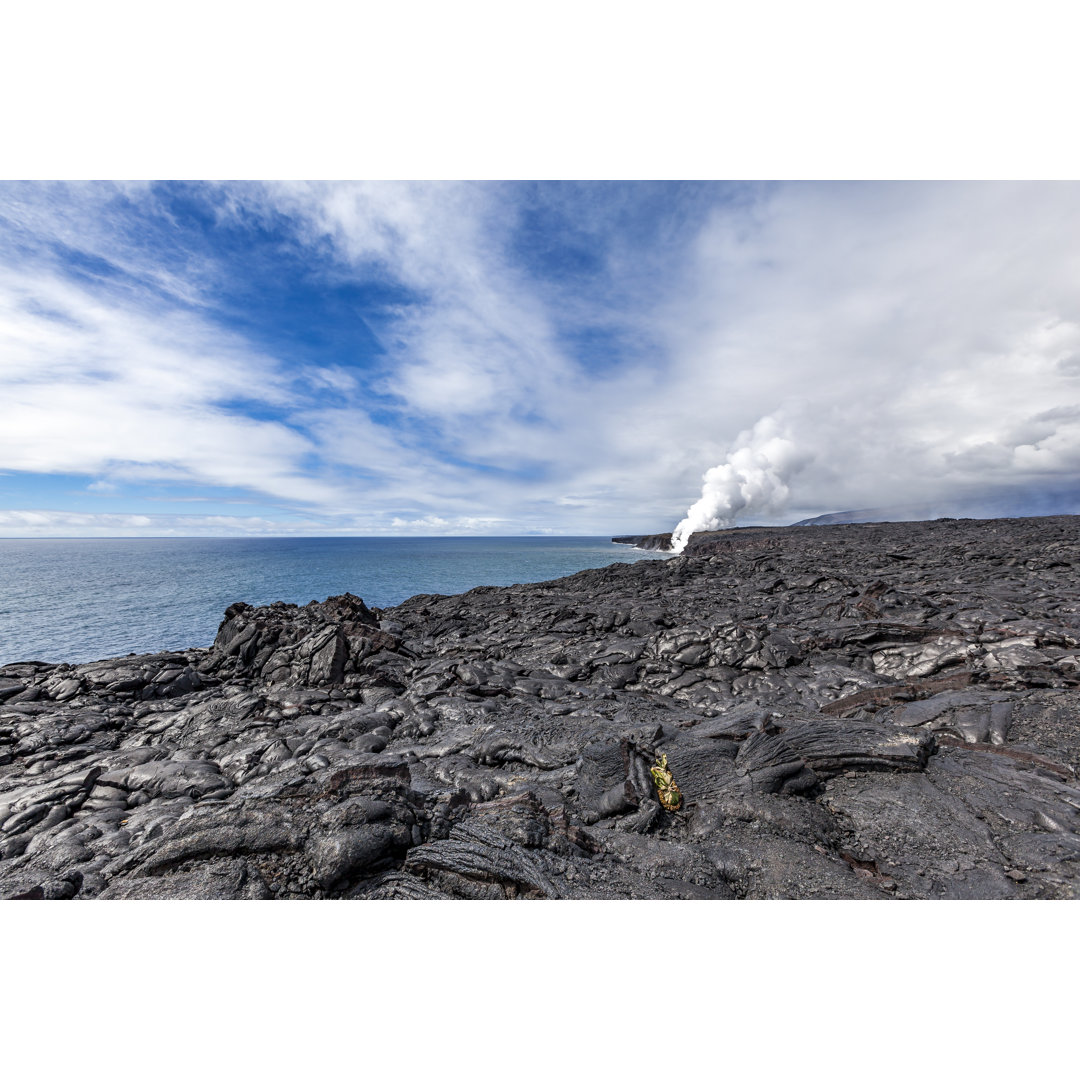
x: 81, y: 600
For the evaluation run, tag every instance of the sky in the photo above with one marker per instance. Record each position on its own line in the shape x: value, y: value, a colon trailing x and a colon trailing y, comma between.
x: 387, y: 359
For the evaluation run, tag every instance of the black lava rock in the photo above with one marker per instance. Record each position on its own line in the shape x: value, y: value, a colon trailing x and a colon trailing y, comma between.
x: 861, y: 710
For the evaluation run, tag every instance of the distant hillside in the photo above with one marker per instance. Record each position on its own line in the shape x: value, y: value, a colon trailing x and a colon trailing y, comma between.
x: 1065, y: 500
x: 856, y: 517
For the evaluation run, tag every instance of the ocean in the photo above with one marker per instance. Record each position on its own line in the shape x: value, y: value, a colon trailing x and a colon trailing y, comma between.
x: 82, y: 600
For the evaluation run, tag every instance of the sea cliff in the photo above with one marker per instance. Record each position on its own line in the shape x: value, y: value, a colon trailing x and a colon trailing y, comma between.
x: 866, y: 711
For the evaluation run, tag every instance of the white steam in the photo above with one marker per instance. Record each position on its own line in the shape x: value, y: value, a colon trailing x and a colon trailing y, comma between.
x: 754, y: 477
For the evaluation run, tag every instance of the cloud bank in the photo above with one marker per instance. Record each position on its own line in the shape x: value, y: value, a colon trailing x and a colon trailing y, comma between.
x: 511, y: 358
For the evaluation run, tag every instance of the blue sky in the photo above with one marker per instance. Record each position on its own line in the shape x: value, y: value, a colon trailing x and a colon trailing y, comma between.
x: 454, y: 358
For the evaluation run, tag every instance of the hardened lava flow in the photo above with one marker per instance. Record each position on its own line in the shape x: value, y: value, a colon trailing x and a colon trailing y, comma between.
x: 867, y: 711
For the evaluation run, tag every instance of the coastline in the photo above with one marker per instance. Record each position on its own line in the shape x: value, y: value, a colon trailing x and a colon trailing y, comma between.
x: 76, y: 601
x: 851, y: 711
x: 653, y: 542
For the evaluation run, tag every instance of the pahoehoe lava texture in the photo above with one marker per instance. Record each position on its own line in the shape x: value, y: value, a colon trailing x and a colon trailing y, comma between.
x: 872, y: 711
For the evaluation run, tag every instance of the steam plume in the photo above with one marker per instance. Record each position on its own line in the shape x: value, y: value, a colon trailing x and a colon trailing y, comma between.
x: 754, y: 477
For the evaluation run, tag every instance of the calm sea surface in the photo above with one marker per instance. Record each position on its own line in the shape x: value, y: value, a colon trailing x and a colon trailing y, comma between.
x: 80, y: 600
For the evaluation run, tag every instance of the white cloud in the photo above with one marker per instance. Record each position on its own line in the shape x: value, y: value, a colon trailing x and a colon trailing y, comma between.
x: 445, y: 526
x: 921, y: 342
x: 30, y: 523
x: 102, y: 385
x: 909, y: 332
x: 41, y: 523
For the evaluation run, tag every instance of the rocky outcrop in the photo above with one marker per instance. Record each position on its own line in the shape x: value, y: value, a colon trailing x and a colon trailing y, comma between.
x: 653, y: 542
x: 871, y: 711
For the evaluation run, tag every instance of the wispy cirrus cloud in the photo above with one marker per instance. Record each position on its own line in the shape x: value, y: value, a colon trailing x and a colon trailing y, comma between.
x: 95, y: 385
